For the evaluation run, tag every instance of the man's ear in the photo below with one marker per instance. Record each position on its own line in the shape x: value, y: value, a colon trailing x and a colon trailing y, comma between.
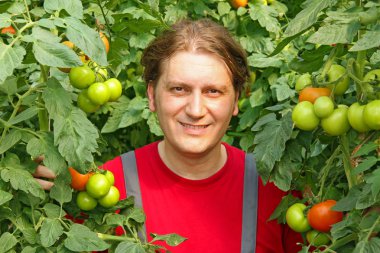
x: 150, y: 93
x: 236, y: 107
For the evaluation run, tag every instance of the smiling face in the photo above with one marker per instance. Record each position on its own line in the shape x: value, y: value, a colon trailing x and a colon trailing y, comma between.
x: 194, y: 99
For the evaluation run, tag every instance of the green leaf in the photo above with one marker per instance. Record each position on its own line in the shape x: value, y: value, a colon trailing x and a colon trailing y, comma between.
x: 81, y: 238
x: 9, y: 86
x: 348, y: 203
x: 282, y: 89
x: 86, y: 39
x: 72, y: 7
x: 370, y: 246
x: 246, y: 142
x: 258, y: 97
x: 366, y: 149
x: 365, y: 165
x: 7, y: 242
x: 249, y: 117
x: 283, y: 44
x: 11, y: 139
x: 61, y: 190
x: 51, y: 230
x: 266, y: 16
x: 375, y: 58
x: 263, y: 121
x: 137, y: 215
x: 334, y: 34
x: 53, y: 211
x: 115, y: 219
x: 371, y: 39
x: 24, y: 115
x: 45, y: 147
x: 310, y: 61
x: 223, y: 8
x: 5, y: 197
x: 57, y: 99
x: 373, y: 180
x: 170, y: 239
x: 76, y: 138
x: 257, y: 44
x: 113, y: 121
x: 5, y: 19
x: 21, y: 179
x: 29, y: 249
x: 307, y: 17
x: 130, y: 247
x: 153, y: 124
x: 40, y: 34
x: 263, y: 61
x: 280, y: 211
x: 132, y: 114
x: 10, y: 58
x: 270, y: 144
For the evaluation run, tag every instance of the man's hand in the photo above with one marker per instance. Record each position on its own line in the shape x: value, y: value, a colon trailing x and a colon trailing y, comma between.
x: 42, y: 173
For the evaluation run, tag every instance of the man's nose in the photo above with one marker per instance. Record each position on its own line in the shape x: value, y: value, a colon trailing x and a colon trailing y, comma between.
x: 196, y: 107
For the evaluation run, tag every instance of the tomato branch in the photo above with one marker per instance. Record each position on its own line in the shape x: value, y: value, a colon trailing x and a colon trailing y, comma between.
x: 326, y: 170
x: 352, y: 180
x: 108, y: 237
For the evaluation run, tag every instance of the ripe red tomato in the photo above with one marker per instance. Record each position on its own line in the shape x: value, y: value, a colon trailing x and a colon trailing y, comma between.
x: 335, y: 72
x: 115, y: 88
x: 337, y: 123
x: 296, y: 218
x: 304, y: 117
x: 311, y: 94
x: 356, y: 119
x: 85, y: 202
x: 371, y: 114
x: 321, y: 217
x: 111, y: 198
x: 85, y: 103
x: 98, y: 185
x: 81, y: 77
x: 8, y: 29
x: 99, y: 93
x: 78, y: 180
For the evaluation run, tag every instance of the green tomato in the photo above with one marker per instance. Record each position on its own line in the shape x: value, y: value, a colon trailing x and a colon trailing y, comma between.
x: 337, y: 123
x: 373, y: 78
x: 109, y: 175
x: 98, y: 93
x: 111, y: 198
x: 98, y: 185
x: 316, y: 238
x: 369, y: 17
x: 296, y: 218
x: 115, y: 88
x: 85, y: 202
x: 335, y: 72
x: 304, y: 117
x: 371, y: 114
x: 355, y: 117
x: 303, y: 81
x: 323, y: 106
x: 85, y: 103
x: 81, y: 77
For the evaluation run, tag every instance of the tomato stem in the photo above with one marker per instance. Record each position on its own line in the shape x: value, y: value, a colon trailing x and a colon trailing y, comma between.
x: 115, y: 237
x: 325, y: 172
x: 352, y: 180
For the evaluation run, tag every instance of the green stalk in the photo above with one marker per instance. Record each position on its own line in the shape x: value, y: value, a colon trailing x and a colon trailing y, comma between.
x: 43, y: 116
x: 352, y: 180
x: 326, y: 170
x: 108, y: 237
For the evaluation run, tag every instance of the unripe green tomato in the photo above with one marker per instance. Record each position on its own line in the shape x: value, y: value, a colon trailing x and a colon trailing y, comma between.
x: 111, y: 198
x: 356, y: 119
x: 303, y: 81
x: 304, y: 117
x: 85, y: 103
x: 85, y: 202
x: 81, y: 77
x: 316, y: 238
x: 337, y: 123
x: 115, y: 88
x: 369, y: 17
x: 98, y: 185
x: 323, y: 107
x: 335, y: 72
x: 371, y: 114
x: 99, y: 93
x: 296, y: 218
x: 110, y: 176
x: 373, y: 78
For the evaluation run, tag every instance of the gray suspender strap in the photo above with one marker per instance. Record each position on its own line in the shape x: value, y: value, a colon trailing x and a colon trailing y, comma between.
x: 250, y: 197
x: 131, y: 178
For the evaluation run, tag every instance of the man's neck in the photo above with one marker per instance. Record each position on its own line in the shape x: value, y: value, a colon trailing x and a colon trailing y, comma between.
x: 194, y: 167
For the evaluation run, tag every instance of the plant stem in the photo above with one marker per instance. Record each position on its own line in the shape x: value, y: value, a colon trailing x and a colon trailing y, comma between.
x: 352, y: 180
x: 43, y: 117
x: 326, y: 170
x: 27, y: 10
x: 372, y: 228
x: 115, y: 237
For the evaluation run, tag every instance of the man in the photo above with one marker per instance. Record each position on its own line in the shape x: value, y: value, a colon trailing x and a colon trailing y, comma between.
x: 191, y: 183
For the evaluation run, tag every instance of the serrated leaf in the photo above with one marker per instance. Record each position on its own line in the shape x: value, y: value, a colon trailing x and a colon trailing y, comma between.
x: 153, y: 124
x: 81, y: 238
x: 310, y: 61
x: 365, y: 165
x: 133, y: 112
x: 113, y: 121
x: 130, y: 247
x: 140, y: 40
x: 170, y: 239
x: 270, y: 144
x: 279, y: 212
x: 53, y: 211
x: 348, y: 203
x: 11, y: 139
x: 10, y: 58
x: 61, y: 191
x: 7, y: 242
x: 137, y: 215
x: 307, y: 17
x: 266, y: 16
x: 29, y: 249
x: 246, y: 142
x: 370, y: 246
x: 115, y: 219
x: 375, y: 58
x: 76, y: 138
x: 371, y: 39
x: 5, y: 197
x: 283, y: 91
x: 258, y: 97
x: 249, y: 117
x: 45, y: 147
x: 283, y: 173
x: 5, y: 19
x: 55, y: 54
x: 57, y: 99
x: 24, y: 115
x: 30, y: 235
x: 263, y: 121
x: 21, y: 179
x: 51, y: 230
x: 257, y: 44
x: 223, y: 8
x: 373, y: 180
x: 40, y: 34
x: 72, y: 7
x: 87, y: 39
x: 334, y: 34
x: 366, y: 149
x: 263, y: 61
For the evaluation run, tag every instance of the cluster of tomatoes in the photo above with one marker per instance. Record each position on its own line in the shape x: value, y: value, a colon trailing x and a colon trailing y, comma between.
x: 94, y: 188
x: 316, y: 221
x: 316, y: 107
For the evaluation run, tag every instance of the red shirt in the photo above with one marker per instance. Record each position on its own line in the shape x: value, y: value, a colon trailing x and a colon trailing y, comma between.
x: 207, y: 212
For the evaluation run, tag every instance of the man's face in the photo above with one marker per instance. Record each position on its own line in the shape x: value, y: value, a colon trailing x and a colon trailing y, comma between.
x: 194, y: 99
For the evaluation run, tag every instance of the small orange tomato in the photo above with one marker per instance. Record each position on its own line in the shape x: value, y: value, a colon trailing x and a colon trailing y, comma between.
x: 8, y: 29
x: 78, y: 180
x: 311, y: 94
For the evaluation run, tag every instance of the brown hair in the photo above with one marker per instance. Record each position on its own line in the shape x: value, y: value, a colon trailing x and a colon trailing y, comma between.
x: 200, y: 35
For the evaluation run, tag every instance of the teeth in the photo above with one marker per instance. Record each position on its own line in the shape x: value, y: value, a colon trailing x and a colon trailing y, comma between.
x: 194, y: 127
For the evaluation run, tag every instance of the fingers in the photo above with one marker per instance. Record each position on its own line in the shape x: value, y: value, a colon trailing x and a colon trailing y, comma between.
x: 46, y: 185
x: 42, y: 171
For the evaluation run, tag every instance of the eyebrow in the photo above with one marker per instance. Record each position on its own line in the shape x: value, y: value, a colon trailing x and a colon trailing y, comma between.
x: 222, y: 87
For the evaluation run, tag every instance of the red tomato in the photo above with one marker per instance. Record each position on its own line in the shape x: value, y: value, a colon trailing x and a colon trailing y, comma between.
x: 78, y: 180
x: 311, y: 93
x: 8, y: 29
x: 321, y: 217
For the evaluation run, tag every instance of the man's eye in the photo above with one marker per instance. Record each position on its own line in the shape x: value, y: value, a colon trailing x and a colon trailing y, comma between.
x: 178, y: 89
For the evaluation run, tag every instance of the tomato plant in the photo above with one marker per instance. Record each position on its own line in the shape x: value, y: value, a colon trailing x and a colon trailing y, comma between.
x: 311, y: 93
x: 337, y: 75
x: 304, y: 117
x: 98, y: 185
x: 321, y: 217
x: 296, y: 218
x: 81, y: 77
x: 111, y: 198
